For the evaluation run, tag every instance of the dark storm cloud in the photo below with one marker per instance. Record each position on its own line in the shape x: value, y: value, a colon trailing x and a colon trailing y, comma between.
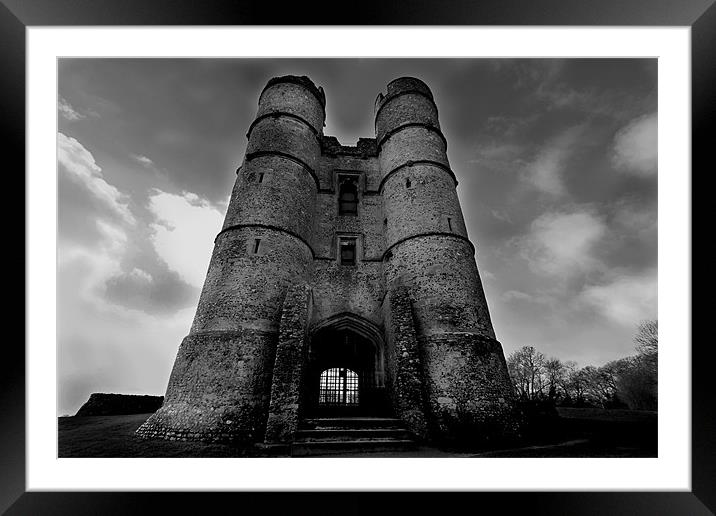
x: 507, y: 122
x: 555, y: 164
x: 159, y: 293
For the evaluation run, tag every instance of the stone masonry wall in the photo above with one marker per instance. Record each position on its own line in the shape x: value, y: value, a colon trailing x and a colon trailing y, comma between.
x: 404, y: 109
x: 292, y: 98
x: 218, y: 390
x: 246, y: 289
x: 424, y: 206
x: 264, y: 187
x: 413, y: 143
x: 238, y: 373
x: 468, y: 388
x: 285, y: 135
x: 357, y: 289
x: 445, y: 285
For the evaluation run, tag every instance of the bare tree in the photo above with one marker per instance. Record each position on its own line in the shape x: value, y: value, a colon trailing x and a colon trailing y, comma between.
x: 647, y: 346
x: 630, y: 381
x: 526, y: 368
x: 600, y: 385
x: 555, y: 374
x: 638, y: 375
x: 647, y: 338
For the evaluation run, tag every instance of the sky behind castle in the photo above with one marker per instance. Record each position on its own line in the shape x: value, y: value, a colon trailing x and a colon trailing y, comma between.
x: 556, y: 163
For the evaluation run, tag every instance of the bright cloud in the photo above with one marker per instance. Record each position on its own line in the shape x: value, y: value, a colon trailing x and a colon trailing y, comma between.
x: 104, y: 343
x: 143, y: 160
x: 80, y: 165
x: 545, y: 171
x: 184, y: 233
x: 515, y: 294
x: 626, y: 300
x: 98, y: 263
x: 141, y: 275
x: 636, y: 220
x: 562, y: 243
x: 67, y: 111
x: 635, y: 147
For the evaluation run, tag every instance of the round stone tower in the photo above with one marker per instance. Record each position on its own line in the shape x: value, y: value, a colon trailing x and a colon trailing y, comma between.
x: 466, y: 384
x: 220, y: 385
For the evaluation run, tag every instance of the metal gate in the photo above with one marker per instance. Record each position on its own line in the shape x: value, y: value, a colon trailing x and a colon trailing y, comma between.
x: 338, y: 388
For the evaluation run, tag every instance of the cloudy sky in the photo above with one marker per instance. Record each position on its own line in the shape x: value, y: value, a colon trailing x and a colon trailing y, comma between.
x: 557, y: 169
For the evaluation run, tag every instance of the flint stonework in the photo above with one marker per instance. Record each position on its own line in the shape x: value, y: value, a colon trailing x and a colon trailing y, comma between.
x: 387, y: 292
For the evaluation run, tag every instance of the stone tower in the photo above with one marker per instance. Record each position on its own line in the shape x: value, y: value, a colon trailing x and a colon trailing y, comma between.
x: 343, y: 282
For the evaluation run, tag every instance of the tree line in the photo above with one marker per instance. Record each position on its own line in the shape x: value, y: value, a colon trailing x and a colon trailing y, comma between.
x: 629, y: 382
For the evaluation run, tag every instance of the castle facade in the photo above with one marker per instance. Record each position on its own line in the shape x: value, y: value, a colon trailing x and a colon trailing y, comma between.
x: 342, y: 283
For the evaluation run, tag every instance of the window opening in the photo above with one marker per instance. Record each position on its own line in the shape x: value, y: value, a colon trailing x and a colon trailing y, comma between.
x: 348, y: 198
x: 407, y: 183
x: 261, y: 177
x: 449, y: 223
x: 348, y: 251
x: 256, y: 245
x: 338, y: 386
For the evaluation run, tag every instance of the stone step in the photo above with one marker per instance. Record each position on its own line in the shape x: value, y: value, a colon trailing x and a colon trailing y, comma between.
x: 351, y: 434
x: 322, y: 448
x: 350, y: 422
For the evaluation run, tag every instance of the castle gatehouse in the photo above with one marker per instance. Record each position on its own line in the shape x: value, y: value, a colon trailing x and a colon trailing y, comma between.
x: 342, y: 284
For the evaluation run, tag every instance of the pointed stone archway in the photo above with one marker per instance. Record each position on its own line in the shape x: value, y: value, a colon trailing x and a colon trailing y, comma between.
x: 345, y: 369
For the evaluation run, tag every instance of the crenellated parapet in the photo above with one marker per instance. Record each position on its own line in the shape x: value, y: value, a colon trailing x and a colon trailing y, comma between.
x: 365, y: 148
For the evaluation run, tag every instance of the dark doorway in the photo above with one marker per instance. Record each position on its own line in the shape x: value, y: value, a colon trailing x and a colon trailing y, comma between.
x: 344, y: 375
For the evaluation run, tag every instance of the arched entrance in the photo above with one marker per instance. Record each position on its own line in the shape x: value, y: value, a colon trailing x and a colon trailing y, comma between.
x: 345, y: 373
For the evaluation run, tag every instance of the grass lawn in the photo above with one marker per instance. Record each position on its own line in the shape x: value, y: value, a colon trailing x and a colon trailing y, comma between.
x: 582, y: 432
x: 113, y: 436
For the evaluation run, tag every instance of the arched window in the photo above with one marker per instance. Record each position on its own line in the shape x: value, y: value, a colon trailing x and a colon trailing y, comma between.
x: 348, y: 198
x: 338, y: 386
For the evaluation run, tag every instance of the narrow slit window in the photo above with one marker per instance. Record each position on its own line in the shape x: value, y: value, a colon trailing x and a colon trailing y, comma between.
x: 348, y: 198
x: 257, y: 242
x: 261, y: 177
x: 348, y: 251
x: 407, y: 183
x: 450, y: 224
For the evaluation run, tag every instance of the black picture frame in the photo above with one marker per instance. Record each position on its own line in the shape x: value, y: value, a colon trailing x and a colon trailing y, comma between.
x: 17, y: 15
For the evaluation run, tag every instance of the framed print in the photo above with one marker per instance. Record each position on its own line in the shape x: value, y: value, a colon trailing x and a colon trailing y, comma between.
x: 469, y: 325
